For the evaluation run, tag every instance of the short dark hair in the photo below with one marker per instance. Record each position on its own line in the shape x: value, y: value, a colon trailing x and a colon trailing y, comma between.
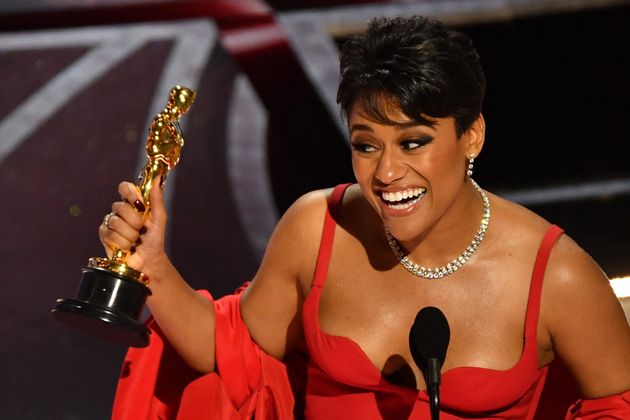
x: 419, y: 65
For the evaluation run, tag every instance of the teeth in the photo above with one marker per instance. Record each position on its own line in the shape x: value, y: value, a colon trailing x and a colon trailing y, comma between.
x: 393, y: 197
x: 402, y: 206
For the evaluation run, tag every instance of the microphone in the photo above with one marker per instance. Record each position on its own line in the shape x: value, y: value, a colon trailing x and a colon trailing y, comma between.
x: 428, y: 342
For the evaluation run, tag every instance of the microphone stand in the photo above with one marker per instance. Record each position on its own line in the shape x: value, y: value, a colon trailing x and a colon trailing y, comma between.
x: 433, y: 386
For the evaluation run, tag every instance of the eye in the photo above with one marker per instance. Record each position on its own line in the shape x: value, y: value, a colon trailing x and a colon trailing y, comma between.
x: 411, y: 144
x: 363, y: 147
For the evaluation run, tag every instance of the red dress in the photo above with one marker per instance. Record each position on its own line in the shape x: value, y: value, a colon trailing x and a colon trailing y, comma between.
x: 341, y: 382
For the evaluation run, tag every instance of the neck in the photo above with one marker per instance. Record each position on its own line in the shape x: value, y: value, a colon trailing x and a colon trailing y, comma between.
x: 452, y: 233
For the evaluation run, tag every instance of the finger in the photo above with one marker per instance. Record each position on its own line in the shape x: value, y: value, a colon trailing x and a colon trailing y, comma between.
x: 130, y: 193
x: 129, y: 214
x: 156, y: 196
x: 115, y: 223
x: 113, y: 240
x: 102, y: 233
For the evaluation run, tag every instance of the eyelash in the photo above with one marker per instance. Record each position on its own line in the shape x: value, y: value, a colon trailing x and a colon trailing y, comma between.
x: 407, y: 144
x: 421, y: 141
x: 362, y: 147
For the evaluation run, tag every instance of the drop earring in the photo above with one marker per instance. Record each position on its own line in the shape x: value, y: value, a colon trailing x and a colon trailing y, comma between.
x: 471, y: 162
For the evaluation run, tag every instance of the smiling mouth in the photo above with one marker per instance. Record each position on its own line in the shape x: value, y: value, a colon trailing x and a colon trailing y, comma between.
x: 401, y: 200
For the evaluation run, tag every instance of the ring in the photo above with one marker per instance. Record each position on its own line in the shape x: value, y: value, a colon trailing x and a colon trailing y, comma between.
x: 106, y: 220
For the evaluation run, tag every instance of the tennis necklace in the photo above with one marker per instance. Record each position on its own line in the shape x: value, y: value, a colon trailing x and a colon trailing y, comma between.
x: 457, y: 263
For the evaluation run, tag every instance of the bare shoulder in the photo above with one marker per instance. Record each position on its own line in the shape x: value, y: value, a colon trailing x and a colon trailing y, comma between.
x: 271, y: 304
x: 580, y: 317
x: 586, y: 321
x: 304, y: 220
x: 570, y: 269
x: 575, y: 282
x: 515, y: 227
x: 299, y: 231
x: 313, y: 203
x: 293, y: 245
x: 579, y: 313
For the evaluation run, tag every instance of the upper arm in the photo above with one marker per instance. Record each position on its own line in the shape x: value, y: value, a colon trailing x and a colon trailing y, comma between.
x: 271, y: 305
x: 586, y: 322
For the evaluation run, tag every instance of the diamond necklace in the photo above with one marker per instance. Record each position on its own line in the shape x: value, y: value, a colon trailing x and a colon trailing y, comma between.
x: 457, y: 263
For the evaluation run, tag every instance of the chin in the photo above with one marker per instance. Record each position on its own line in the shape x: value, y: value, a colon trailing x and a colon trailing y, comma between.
x: 402, y: 232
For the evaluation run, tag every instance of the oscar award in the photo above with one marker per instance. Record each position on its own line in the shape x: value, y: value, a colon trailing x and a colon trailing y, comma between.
x: 111, y: 295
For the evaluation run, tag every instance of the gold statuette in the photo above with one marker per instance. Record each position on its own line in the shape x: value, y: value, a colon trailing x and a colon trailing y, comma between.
x: 111, y: 294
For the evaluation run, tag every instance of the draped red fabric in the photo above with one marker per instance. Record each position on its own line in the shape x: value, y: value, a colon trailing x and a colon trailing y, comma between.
x: 155, y: 383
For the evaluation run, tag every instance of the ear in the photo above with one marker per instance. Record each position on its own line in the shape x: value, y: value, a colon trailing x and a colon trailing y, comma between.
x: 474, y: 137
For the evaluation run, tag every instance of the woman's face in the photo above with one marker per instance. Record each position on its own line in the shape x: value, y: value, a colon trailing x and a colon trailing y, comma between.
x: 412, y: 175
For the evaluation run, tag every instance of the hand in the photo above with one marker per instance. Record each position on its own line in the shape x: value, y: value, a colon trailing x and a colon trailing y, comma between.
x: 126, y: 229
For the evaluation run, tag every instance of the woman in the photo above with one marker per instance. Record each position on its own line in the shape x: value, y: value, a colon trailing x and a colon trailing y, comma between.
x: 415, y: 231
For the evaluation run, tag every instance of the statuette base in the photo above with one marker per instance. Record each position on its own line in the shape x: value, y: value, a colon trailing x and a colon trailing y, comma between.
x: 107, y: 306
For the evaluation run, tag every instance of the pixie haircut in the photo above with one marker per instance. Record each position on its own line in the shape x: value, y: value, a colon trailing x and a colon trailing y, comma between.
x: 414, y: 65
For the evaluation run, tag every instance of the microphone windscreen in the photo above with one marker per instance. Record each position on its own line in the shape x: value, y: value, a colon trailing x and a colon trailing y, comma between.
x: 429, y: 336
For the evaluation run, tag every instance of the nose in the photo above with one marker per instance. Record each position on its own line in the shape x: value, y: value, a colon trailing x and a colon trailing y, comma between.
x: 391, y: 167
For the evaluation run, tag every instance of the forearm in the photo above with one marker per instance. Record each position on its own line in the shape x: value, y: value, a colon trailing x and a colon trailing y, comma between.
x: 186, y: 318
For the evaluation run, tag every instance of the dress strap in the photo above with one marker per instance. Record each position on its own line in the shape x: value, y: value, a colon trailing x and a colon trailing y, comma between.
x: 328, y: 234
x: 535, y: 287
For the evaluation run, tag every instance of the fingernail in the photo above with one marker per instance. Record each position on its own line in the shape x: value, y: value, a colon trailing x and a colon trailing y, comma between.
x: 139, y: 241
x: 139, y: 205
x: 143, y: 230
x: 132, y: 250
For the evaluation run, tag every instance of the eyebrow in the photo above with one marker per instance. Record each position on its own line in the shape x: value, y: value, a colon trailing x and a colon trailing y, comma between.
x: 400, y: 126
x: 361, y: 127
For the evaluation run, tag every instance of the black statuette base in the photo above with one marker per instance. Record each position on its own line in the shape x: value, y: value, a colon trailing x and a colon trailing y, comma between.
x: 107, y: 306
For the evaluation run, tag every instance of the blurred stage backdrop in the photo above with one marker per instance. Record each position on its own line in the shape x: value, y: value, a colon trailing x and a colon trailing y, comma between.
x: 81, y: 79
